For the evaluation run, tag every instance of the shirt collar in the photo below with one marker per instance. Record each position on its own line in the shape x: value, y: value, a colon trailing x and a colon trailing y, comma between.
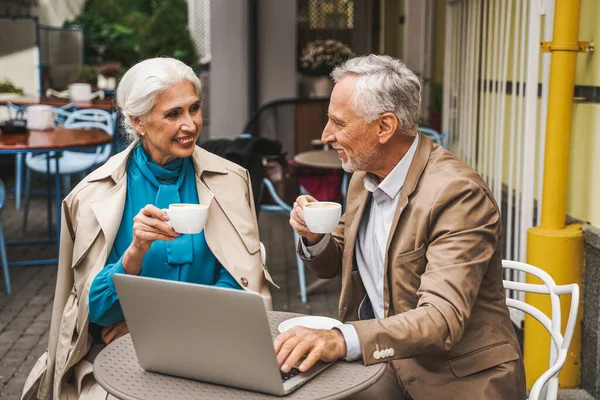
x: 392, y: 183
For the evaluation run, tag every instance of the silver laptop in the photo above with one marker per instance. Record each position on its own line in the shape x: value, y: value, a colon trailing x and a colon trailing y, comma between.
x: 205, y: 333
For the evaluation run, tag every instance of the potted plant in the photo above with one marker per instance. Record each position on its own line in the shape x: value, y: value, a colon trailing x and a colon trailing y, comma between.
x: 84, y: 73
x: 8, y: 90
x: 108, y: 74
x: 318, y: 59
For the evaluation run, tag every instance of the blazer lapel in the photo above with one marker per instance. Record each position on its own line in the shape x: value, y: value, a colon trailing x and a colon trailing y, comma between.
x: 359, y: 202
x: 410, y: 183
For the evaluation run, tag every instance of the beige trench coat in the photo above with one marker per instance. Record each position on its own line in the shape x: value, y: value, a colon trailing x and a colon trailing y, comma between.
x: 91, y: 216
x: 446, y: 317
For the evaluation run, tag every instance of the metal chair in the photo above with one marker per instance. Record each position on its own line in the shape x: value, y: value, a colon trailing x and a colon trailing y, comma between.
x: 71, y: 162
x: 546, y: 386
x: 293, y: 122
x: 439, y: 138
x: 17, y: 112
x: 62, y: 113
x: 3, y: 258
x: 281, y: 207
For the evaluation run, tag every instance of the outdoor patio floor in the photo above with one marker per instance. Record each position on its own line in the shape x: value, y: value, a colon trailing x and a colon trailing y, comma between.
x: 25, y: 315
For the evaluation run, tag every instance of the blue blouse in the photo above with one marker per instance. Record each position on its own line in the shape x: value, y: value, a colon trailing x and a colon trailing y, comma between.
x: 186, y: 258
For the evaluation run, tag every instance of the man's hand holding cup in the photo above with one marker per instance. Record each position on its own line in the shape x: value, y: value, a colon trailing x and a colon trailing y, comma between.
x: 312, y: 219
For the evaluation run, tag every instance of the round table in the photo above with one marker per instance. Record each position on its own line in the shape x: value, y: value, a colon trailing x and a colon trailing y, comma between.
x: 104, y: 104
x: 117, y: 370
x: 55, y: 140
x: 319, y: 159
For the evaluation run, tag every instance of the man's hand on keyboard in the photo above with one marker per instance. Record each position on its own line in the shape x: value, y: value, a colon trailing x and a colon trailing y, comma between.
x: 316, y: 344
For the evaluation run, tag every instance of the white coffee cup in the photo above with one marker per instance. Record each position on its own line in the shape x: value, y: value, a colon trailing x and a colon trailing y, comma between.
x: 187, y: 218
x: 80, y: 92
x: 40, y: 118
x: 322, y: 216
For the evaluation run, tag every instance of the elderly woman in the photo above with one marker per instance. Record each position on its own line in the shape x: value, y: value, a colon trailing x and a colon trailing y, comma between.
x: 112, y: 223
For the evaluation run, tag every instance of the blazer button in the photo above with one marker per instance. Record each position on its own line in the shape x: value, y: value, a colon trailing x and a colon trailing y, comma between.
x: 244, y: 281
x: 376, y: 355
x: 391, y: 352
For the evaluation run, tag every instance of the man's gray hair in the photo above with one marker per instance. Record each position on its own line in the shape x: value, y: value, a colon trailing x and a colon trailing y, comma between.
x: 142, y: 83
x: 384, y: 84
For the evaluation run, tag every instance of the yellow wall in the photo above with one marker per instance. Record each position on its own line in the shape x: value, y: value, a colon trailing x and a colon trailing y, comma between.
x: 584, y: 176
x: 584, y: 170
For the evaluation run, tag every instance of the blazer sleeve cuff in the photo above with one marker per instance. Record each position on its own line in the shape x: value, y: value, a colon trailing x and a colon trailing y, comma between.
x: 309, y: 252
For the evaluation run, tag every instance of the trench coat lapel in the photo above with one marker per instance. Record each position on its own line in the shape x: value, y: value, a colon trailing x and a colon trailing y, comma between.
x: 108, y: 210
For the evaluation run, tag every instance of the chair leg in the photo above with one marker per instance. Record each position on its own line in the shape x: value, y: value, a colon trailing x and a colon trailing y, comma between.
x: 18, y: 179
x: 27, y: 198
x: 66, y: 184
x: 301, y: 274
x: 4, y: 259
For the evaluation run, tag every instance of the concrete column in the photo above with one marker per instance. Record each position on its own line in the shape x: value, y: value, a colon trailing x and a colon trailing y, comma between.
x: 229, y: 68
x: 276, y: 50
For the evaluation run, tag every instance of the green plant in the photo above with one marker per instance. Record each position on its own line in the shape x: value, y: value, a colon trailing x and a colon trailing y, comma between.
x: 6, y: 86
x: 84, y: 74
x: 166, y: 33
x: 127, y: 31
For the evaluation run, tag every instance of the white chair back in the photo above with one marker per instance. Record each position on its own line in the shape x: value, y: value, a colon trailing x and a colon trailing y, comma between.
x: 94, y: 119
x: 559, y: 344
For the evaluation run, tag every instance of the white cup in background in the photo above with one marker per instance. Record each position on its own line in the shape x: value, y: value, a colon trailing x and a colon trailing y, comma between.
x: 187, y: 218
x: 322, y: 216
x: 80, y: 92
x: 40, y: 118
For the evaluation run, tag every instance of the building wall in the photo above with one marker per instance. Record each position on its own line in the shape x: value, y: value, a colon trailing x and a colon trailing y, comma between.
x: 276, y: 50
x: 229, y: 68
x: 56, y: 12
x: 584, y: 175
x: 583, y: 194
x: 19, y: 56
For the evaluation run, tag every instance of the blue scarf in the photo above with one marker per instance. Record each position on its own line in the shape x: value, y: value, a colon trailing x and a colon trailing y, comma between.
x: 168, y: 180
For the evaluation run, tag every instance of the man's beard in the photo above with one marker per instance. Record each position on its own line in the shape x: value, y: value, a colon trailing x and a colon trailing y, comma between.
x: 361, y: 162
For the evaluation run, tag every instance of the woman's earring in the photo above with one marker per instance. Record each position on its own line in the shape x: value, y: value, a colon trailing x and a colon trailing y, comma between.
x: 142, y: 134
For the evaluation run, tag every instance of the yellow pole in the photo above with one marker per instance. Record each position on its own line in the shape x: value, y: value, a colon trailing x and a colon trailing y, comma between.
x: 554, y: 247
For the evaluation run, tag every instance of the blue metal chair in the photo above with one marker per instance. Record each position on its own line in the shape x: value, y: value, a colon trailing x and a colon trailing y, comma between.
x: 17, y: 112
x: 3, y: 258
x: 71, y: 162
x: 62, y: 113
x: 281, y: 207
x: 439, y: 138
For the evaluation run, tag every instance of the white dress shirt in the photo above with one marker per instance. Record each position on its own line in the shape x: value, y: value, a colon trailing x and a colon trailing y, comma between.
x: 372, y: 239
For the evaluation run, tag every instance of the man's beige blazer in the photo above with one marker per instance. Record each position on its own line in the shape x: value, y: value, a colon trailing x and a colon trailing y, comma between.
x: 91, y: 216
x: 447, y: 328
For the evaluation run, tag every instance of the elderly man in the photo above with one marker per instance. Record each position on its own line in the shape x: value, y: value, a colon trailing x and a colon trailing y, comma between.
x: 419, y: 251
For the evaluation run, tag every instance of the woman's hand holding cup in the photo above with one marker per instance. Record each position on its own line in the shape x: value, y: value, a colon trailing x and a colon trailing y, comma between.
x: 149, y: 224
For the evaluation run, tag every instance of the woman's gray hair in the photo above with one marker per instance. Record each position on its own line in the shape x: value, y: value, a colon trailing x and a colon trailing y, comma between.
x: 142, y: 83
x: 384, y: 84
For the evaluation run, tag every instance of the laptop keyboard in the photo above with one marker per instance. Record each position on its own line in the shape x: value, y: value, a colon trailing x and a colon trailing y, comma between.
x: 292, y: 372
